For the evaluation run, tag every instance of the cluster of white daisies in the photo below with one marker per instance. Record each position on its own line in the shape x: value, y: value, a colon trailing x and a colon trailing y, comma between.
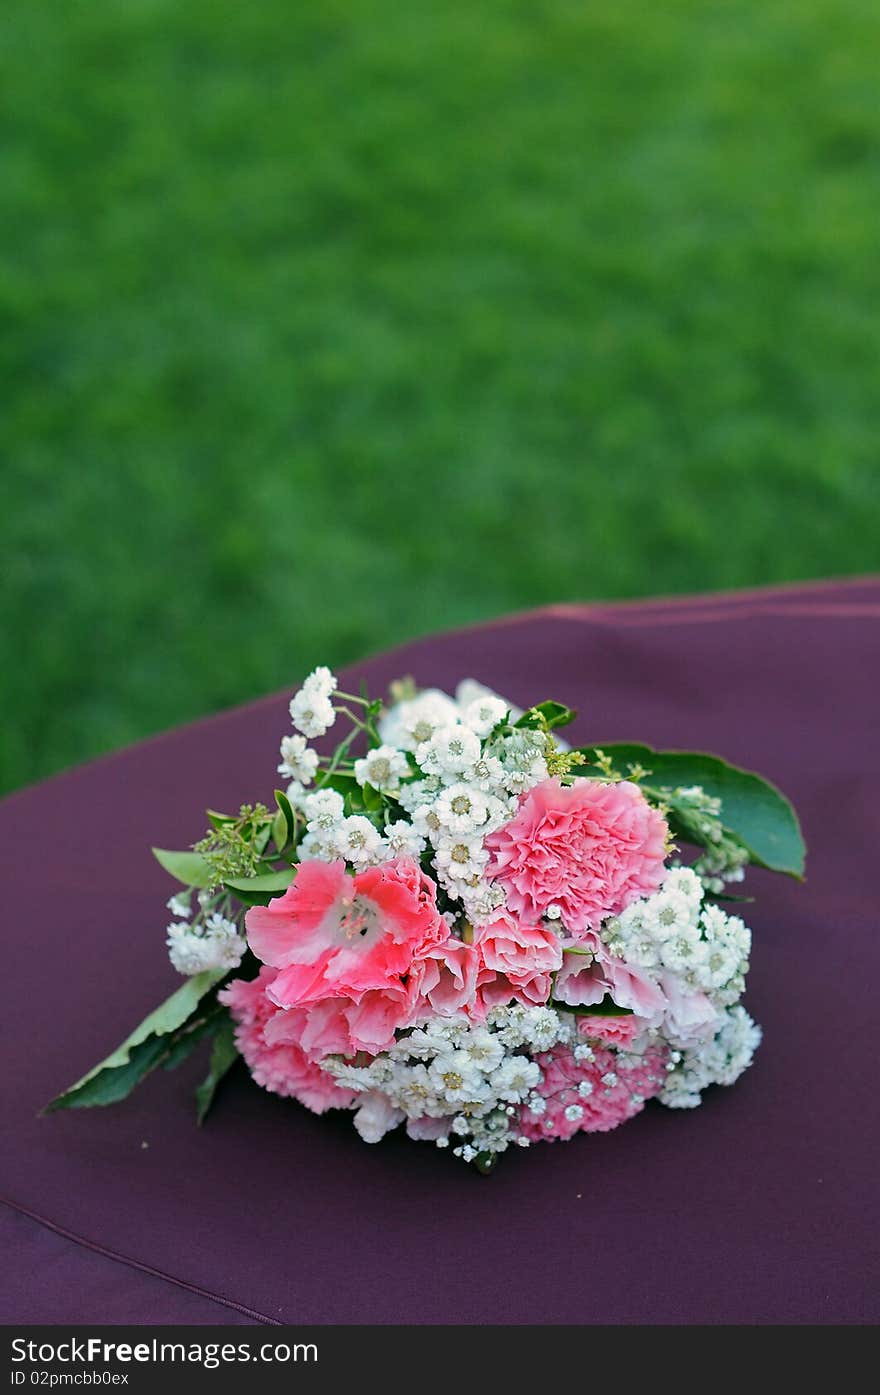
x: 454, y: 780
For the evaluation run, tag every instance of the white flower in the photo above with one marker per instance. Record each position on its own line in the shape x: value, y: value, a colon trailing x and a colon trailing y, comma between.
x: 320, y: 684
x: 684, y: 882
x: 414, y: 1092
x: 408, y: 723
x: 180, y: 905
x: 375, y: 1115
x: 481, y: 899
x: 522, y: 756
x: 415, y: 793
x: 318, y: 847
x: 359, y: 841
x: 484, y: 713
x: 719, y: 1061
x: 469, y: 690
x: 403, y: 840
x: 312, y: 714
x: 456, y: 1079
x: 383, y: 768
x: 461, y: 859
x: 488, y: 775
x: 297, y: 761
x: 450, y: 751
x: 461, y: 808
x: 426, y: 822
x: 515, y: 1077
x: 683, y: 952
x: 668, y: 913
x: 483, y: 1048
x: 541, y: 1028
x: 323, y: 810
x: 216, y: 945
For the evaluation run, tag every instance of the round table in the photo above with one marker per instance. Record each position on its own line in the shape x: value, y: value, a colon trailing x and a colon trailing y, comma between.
x: 759, y: 1207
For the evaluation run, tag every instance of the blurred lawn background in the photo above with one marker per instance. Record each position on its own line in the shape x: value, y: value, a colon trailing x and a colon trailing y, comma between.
x: 329, y: 324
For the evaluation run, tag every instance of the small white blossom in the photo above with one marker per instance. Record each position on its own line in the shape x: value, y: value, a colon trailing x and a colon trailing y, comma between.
x: 359, y: 841
x: 311, y: 714
x: 488, y: 775
x: 461, y: 859
x: 324, y: 810
x: 461, y: 808
x: 515, y: 1077
x: 321, y: 683
x: 481, y: 899
x: 407, y: 724
x: 403, y: 840
x: 416, y: 793
x: 216, y: 945
x: 298, y: 762
x: 719, y: 1061
x: 375, y: 1116
x: 449, y: 752
x: 457, y: 1079
x: 383, y: 768
x: 484, y: 713
x: 179, y: 904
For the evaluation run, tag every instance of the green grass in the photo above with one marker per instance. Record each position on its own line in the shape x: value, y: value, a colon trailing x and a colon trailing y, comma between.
x: 324, y: 325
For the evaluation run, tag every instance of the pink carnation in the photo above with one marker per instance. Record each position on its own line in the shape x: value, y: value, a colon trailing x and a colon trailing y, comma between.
x: 445, y: 979
x: 591, y: 1096
x: 335, y: 936
x: 589, y: 848
x: 516, y: 962
x: 276, y: 1059
x: 584, y: 981
x: 620, y: 1030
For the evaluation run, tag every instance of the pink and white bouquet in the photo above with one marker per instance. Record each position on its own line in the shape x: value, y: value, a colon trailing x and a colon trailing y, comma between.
x: 458, y: 924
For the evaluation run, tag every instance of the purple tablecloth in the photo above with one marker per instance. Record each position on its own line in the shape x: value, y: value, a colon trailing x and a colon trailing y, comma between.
x: 761, y: 1206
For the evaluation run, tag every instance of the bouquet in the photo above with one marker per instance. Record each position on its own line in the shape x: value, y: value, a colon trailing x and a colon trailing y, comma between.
x: 456, y: 923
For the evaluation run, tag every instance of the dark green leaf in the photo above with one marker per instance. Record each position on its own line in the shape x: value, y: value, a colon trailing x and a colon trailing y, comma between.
x: 224, y: 1054
x: 188, y: 1037
x: 116, y: 1077
x: 607, y: 1008
x: 188, y: 867
x: 753, y: 811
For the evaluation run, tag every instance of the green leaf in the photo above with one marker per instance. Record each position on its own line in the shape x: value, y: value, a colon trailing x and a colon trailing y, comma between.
x: 286, y: 813
x: 265, y: 883
x: 279, y: 831
x: 373, y: 800
x: 753, y: 811
x: 547, y: 715
x: 185, y: 1041
x: 188, y: 867
x: 116, y: 1077
x: 607, y: 1008
x: 223, y: 1056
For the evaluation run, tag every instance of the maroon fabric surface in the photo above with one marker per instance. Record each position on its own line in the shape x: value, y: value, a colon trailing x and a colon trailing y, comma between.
x: 54, y: 1273
x: 761, y: 1206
